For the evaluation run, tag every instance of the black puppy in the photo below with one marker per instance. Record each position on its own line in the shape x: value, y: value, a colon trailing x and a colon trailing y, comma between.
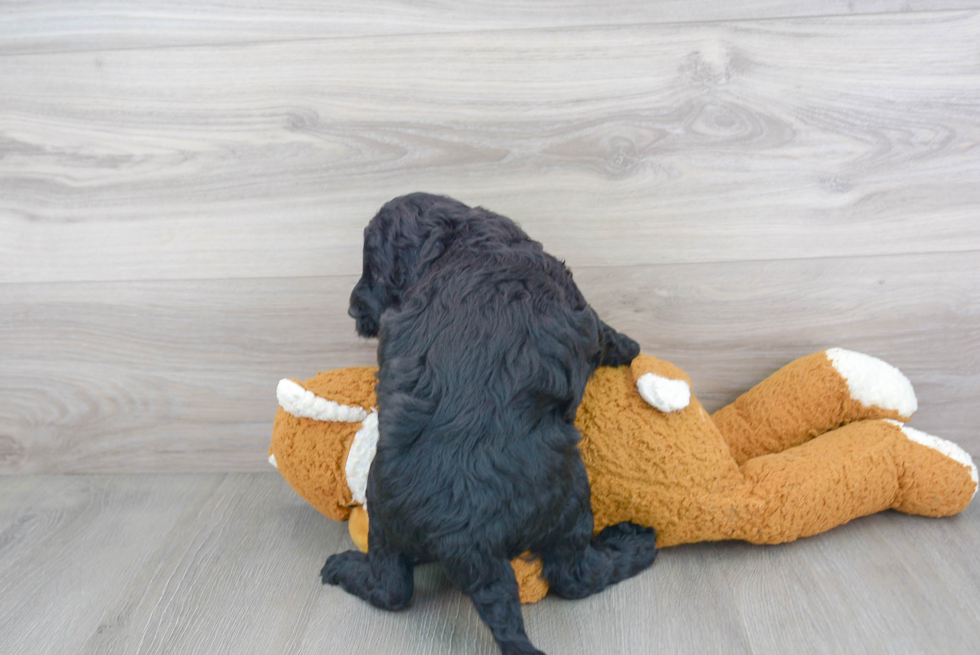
x: 486, y: 345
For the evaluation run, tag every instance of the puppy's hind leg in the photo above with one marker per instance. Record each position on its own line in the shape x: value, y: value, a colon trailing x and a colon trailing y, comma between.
x: 382, y: 577
x: 579, y: 565
x: 491, y: 585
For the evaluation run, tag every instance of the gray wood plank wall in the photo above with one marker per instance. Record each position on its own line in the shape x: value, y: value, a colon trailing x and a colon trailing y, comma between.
x: 183, y: 189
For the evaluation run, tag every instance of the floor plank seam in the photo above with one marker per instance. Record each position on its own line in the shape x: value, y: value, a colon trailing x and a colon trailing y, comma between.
x: 463, y: 32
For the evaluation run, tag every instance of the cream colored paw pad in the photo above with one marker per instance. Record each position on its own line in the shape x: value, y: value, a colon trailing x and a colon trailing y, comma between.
x: 947, y: 448
x: 874, y: 383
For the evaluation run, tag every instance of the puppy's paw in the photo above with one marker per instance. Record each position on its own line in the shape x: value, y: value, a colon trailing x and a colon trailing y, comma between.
x: 340, y: 566
x: 618, y: 349
x: 625, y: 532
x: 628, y: 350
x: 635, y: 545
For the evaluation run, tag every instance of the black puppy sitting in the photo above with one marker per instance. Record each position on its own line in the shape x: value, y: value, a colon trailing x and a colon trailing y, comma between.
x: 485, y: 348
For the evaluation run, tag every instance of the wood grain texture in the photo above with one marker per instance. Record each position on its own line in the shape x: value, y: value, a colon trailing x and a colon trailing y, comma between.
x: 180, y: 375
x: 647, y: 144
x: 229, y: 564
x: 69, y: 545
x: 57, y: 26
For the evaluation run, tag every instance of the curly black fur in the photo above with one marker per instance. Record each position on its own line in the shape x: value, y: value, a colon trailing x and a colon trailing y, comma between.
x: 486, y: 345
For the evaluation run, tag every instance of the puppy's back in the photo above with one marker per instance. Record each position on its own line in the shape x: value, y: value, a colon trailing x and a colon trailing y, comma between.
x: 482, y: 369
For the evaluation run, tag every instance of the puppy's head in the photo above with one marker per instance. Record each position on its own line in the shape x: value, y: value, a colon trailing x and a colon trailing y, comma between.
x: 399, y: 243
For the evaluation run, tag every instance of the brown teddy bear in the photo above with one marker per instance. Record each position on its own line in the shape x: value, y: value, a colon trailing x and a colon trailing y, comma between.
x: 820, y: 442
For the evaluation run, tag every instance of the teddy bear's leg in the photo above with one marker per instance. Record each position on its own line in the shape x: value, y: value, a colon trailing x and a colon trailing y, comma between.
x: 383, y: 576
x: 859, y: 469
x: 810, y: 396
x: 930, y: 486
x: 530, y: 583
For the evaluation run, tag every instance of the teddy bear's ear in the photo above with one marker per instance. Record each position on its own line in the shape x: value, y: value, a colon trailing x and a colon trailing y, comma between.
x: 661, y: 384
x: 300, y: 402
x: 666, y: 394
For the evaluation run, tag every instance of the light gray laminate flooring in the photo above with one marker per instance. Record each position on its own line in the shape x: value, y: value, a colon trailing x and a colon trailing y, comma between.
x: 229, y: 563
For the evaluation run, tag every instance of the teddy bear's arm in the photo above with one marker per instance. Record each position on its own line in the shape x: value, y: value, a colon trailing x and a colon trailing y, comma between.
x: 352, y: 386
x: 810, y: 396
x: 303, y: 403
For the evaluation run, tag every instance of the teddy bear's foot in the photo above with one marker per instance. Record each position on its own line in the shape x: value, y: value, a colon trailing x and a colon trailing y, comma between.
x: 939, y: 477
x: 812, y: 396
x: 873, y: 382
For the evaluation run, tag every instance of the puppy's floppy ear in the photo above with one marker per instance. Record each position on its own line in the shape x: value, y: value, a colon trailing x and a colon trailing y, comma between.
x: 442, y: 229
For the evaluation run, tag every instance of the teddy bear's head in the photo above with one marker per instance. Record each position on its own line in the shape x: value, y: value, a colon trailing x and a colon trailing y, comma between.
x: 324, y: 438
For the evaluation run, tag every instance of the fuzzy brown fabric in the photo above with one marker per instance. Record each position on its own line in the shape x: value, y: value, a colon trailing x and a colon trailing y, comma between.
x: 804, y: 399
x: 310, y: 454
x: 793, y: 457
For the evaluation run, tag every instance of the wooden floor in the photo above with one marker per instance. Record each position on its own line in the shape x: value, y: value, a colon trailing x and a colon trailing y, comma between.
x: 228, y: 563
x: 183, y: 187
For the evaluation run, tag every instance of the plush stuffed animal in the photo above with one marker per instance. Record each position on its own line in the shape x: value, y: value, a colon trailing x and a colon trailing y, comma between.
x: 820, y: 442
